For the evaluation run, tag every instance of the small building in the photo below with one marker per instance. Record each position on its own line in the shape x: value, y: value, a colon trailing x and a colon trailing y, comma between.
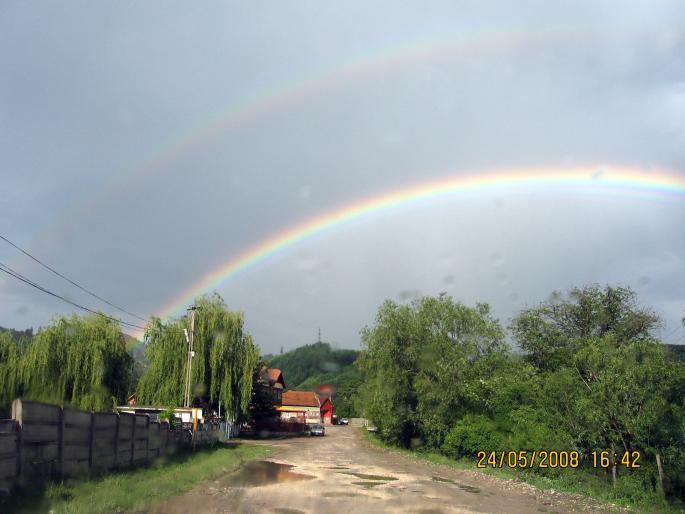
x: 327, y: 410
x: 302, y: 406
x: 184, y: 414
x: 272, y: 379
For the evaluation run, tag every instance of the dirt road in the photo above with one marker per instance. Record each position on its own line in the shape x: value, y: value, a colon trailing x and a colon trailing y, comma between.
x: 341, y: 473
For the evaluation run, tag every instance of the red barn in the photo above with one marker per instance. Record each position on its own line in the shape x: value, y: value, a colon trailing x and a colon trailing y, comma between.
x: 327, y: 410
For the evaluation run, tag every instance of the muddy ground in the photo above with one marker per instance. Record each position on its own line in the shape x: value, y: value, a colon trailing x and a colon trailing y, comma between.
x: 342, y: 473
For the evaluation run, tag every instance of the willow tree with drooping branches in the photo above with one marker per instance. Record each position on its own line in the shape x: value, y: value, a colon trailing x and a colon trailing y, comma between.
x: 9, y: 369
x: 79, y: 361
x: 225, y: 357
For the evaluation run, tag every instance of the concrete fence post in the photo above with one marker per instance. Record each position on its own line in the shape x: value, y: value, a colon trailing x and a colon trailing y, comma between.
x: 20, y: 442
x: 133, y: 441
x: 60, y: 445
x: 116, y: 443
x: 91, y: 442
x: 147, y: 440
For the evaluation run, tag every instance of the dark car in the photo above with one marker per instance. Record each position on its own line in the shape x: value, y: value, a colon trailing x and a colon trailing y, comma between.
x: 317, y: 430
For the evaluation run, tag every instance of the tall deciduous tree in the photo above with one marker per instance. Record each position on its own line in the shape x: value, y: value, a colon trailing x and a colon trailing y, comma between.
x: 9, y: 369
x: 420, y: 360
x: 550, y: 333
x: 225, y: 357
x: 82, y: 361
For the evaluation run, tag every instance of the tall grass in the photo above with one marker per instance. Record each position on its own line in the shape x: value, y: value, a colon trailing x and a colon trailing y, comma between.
x: 134, y: 490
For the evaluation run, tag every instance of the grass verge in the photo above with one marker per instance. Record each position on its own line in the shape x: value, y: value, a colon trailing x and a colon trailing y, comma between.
x: 136, y: 489
x: 575, y: 481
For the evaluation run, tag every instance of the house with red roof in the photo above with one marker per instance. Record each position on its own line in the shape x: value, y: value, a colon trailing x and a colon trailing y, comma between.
x: 306, y: 407
x: 302, y: 406
x: 272, y: 379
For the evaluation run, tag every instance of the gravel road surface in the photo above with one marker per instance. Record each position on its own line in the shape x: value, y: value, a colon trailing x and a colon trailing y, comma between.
x: 341, y: 473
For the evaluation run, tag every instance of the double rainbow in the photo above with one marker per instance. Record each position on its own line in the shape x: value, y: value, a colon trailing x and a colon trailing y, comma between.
x: 584, y: 179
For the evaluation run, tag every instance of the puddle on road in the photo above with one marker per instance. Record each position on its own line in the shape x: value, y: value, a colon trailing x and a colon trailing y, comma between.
x: 468, y: 488
x: 286, y: 510
x: 364, y: 476
x: 263, y: 472
x: 338, y: 467
x: 464, y: 487
x: 368, y: 485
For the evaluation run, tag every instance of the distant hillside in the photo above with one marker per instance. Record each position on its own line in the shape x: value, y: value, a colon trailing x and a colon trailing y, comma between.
x: 18, y: 335
x: 311, y: 365
x: 311, y: 359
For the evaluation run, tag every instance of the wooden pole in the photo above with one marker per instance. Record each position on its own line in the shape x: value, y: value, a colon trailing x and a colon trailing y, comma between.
x: 189, y: 366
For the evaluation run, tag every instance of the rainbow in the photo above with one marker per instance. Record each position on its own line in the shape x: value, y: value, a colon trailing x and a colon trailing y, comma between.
x: 282, y: 95
x: 584, y: 179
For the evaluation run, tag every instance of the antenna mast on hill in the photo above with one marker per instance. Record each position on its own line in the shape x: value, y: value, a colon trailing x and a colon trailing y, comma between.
x: 319, y: 340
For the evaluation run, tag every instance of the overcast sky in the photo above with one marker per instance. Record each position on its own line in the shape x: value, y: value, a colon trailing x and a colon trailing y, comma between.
x: 142, y: 144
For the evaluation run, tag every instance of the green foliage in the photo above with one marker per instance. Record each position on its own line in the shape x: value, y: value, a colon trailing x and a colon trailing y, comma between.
x: 549, y: 333
x: 300, y: 364
x: 81, y: 361
x: 423, y: 362
x: 222, y: 369
x: 261, y: 403
x: 346, y: 383
x: 307, y: 367
x: 472, y: 434
x: 591, y: 377
x: 9, y: 368
x: 169, y: 416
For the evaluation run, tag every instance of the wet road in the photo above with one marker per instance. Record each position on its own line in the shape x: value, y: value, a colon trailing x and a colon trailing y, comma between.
x: 341, y: 473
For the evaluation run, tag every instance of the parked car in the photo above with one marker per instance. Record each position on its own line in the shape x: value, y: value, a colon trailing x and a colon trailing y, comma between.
x: 344, y: 421
x: 317, y: 430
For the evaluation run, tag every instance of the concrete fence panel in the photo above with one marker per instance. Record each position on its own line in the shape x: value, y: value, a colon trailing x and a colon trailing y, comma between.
x: 125, y: 440
x: 39, y: 451
x: 76, y: 442
x: 43, y: 442
x: 9, y: 453
x: 104, y: 441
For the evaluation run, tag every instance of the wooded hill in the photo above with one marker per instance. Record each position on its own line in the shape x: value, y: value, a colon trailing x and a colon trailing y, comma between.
x: 309, y: 366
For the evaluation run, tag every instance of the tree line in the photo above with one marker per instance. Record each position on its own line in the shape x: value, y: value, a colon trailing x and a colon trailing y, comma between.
x: 589, y: 376
x: 85, y: 362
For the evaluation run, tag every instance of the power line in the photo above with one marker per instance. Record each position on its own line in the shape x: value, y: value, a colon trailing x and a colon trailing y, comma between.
x: 69, y: 280
x: 9, y: 271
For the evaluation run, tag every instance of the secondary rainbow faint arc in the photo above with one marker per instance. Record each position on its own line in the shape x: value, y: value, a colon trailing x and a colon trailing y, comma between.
x: 596, y: 178
x: 289, y: 92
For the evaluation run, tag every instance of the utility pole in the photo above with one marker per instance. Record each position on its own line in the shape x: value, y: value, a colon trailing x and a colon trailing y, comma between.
x: 191, y: 354
x: 319, y: 340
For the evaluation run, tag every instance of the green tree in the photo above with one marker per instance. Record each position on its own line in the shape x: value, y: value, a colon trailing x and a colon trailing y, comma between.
x: 222, y: 369
x: 9, y: 369
x: 549, y: 333
x: 81, y: 361
x: 421, y: 361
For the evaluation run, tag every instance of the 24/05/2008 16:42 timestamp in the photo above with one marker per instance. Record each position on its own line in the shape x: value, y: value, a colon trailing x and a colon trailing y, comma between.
x: 555, y: 459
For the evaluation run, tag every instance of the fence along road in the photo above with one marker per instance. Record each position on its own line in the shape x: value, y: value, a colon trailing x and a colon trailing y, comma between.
x: 47, y: 442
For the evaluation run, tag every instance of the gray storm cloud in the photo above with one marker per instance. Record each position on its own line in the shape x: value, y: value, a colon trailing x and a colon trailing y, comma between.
x: 345, y: 102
